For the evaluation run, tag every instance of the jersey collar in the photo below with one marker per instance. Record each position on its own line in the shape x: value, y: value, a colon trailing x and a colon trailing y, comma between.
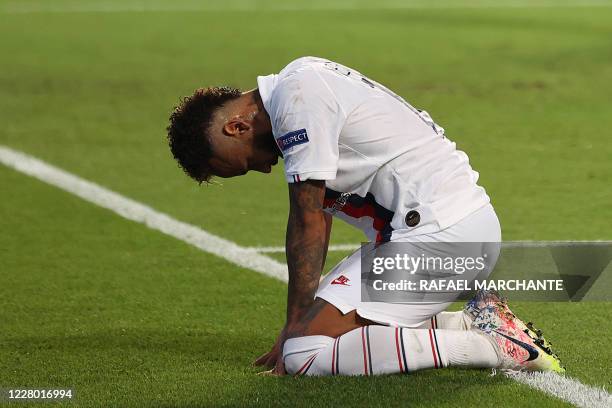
x: 266, y: 85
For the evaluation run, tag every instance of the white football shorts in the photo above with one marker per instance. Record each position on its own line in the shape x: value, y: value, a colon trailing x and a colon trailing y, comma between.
x: 342, y: 286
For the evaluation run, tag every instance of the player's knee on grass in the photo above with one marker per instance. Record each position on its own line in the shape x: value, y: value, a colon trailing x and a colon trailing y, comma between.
x: 301, y: 353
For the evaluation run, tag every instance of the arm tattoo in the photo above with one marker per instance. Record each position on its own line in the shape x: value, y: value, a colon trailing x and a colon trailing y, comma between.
x: 305, y: 246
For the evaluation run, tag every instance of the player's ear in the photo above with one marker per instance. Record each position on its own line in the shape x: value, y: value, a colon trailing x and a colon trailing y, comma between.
x: 236, y: 126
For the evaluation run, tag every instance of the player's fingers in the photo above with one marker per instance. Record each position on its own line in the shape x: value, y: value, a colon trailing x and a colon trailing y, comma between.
x: 267, y: 373
x: 270, y: 373
x: 269, y: 360
x: 262, y: 360
x: 279, y: 368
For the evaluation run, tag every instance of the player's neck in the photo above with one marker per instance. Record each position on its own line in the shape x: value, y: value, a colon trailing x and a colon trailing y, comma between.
x: 262, y: 119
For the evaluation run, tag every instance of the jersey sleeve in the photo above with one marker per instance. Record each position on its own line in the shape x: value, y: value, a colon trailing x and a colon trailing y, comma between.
x: 306, y: 122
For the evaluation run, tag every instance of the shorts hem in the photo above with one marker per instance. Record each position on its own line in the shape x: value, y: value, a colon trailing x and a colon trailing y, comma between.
x: 364, y: 313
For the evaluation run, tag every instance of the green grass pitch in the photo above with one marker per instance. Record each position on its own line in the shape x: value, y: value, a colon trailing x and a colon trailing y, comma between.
x: 130, y: 317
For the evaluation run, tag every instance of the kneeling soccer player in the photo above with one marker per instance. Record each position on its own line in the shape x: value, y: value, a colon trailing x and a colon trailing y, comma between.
x: 355, y: 150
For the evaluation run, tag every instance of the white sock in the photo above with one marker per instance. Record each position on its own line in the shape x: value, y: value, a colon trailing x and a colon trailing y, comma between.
x: 448, y: 320
x: 373, y: 350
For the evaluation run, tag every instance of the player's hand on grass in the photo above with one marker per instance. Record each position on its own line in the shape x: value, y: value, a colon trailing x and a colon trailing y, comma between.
x: 265, y: 360
x: 274, y: 358
x: 271, y: 358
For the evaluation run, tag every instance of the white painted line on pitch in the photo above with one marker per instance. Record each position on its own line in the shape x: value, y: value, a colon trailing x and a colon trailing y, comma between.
x: 135, y: 211
x: 506, y: 244
x: 23, y: 7
x: 565, y: 388
x: 562, y: 387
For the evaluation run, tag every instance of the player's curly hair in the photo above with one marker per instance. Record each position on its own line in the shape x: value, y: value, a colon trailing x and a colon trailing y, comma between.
x: 188, y: 129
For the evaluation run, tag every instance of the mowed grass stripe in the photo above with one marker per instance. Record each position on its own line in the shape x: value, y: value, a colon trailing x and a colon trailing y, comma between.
x: 584, y: 396
x: 23, y: 7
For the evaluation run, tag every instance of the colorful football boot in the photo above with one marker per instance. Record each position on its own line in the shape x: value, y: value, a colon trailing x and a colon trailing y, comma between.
x: 520, y: 346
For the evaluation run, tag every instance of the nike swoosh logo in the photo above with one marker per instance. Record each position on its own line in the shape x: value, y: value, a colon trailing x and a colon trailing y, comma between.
x: 533, y: 353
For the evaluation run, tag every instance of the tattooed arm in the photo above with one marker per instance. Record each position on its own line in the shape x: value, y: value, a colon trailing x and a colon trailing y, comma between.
x: 308, y: 232
x: 306, y: 247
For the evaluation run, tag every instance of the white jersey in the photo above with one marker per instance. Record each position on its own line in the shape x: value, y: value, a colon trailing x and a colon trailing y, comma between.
x: 388, y: 168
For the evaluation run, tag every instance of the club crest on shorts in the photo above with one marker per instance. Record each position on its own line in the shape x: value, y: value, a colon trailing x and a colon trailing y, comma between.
x: 341, y: 280
x: 297, y: 137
